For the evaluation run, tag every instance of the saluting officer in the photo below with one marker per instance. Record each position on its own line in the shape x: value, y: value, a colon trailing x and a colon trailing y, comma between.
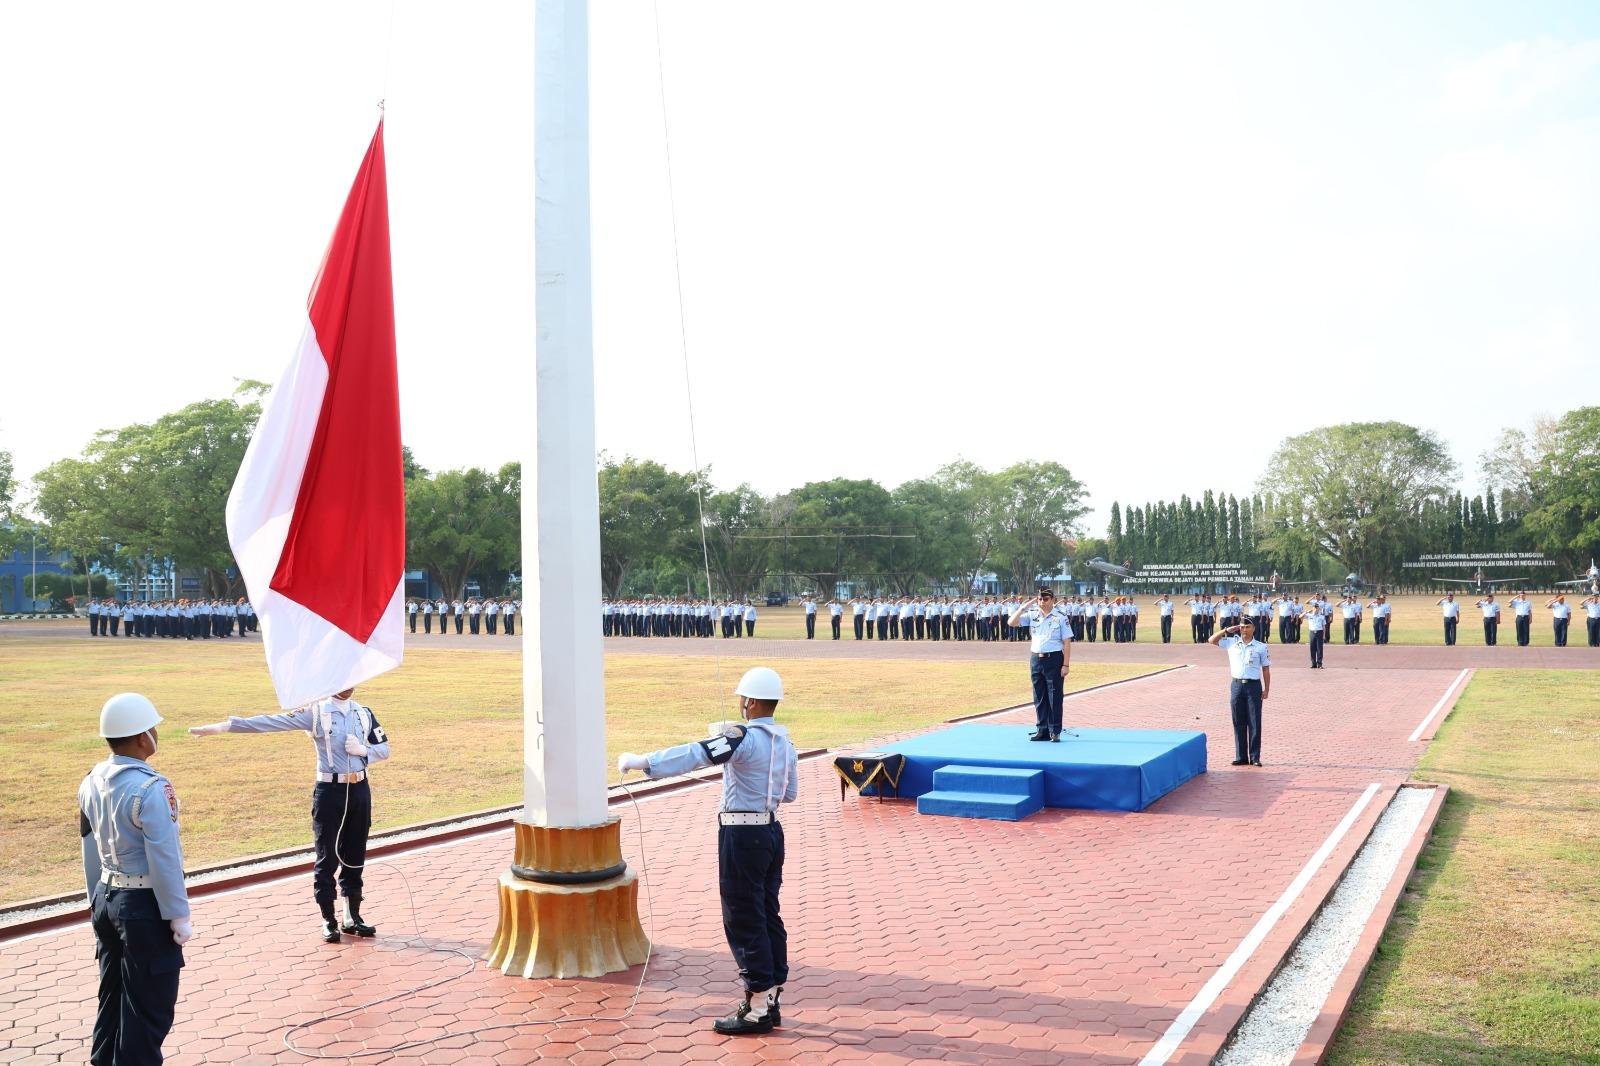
x: 759, y: 771
x: 133, y: 866
x: 348, y: 739
x: 1251, y: 667
x: 1051, y: 657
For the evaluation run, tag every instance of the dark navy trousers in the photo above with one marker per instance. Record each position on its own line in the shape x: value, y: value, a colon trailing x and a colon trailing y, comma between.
x: 139, y: 966
x: 336, y: 846
x: 1246, y: 701
x: 750, y: 862
x: 1047, y: 695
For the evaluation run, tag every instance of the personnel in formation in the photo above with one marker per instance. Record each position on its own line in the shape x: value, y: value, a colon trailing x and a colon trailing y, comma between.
x: 348, y: 740
x: 1491, y: 619
x: 759, y: 772
x: 1452, y: 616
x: 1560, y: 619
x: 133, y: 867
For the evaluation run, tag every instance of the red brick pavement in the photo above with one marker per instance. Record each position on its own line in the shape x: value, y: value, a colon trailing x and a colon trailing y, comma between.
x: 1073, y: 936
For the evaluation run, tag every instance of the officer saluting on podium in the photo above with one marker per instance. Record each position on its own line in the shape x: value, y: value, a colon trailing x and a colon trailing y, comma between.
x: 133, y: 864
x: 759, y: 772
x: 348, y: 739
x: 1050, y: 635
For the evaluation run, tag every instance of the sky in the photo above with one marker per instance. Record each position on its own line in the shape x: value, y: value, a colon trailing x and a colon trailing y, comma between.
x: 1112, y: 236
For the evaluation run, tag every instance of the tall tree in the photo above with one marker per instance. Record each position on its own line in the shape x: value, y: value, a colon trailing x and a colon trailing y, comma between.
x: 1358, y: 485
x: 155, y: 491
x: 833, y: 530
x: 1041, y: 506
x: 974, y: 495
x: 465, y: 524
x: 1564, y: 516
x: 737, y: 539
x: 646, y: 512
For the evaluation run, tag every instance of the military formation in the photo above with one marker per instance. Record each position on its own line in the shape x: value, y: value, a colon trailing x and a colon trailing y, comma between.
x: 174, y: 619
x: 471, y: 616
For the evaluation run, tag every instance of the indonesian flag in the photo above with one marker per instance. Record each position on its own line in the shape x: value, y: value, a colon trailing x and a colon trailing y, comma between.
x: 316, y: 518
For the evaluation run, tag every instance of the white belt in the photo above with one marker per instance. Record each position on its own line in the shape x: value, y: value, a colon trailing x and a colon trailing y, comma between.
x: 745, y: 818
x: 355, y: 778
x: 116, y: 880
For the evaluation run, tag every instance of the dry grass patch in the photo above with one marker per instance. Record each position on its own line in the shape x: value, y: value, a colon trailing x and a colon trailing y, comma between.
x: 456, y: 719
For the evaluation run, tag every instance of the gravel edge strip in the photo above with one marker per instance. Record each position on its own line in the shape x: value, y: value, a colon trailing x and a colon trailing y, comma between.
x: 1281, y: 1017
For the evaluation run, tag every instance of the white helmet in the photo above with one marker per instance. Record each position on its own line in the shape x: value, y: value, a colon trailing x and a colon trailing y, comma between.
x: 760, y: 683
x: 127, y: 714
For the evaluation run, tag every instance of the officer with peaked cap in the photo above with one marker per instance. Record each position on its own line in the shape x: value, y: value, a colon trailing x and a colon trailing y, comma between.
x: 348, y: 739
x: 133, y: 866
x: 759, y: 772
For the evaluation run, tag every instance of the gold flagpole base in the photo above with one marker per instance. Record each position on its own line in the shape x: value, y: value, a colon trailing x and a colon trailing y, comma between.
x: 569, y: 906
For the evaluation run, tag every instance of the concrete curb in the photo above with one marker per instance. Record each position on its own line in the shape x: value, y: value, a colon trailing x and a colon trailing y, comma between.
x: 1206, y: 1040
x: 272, y: 865
x: 1319, y: 1038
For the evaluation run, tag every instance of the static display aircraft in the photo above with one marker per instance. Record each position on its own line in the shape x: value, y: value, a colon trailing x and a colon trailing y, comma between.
x: 1100, y: 566
x: 1590, y: 580
x: 1480, y: 583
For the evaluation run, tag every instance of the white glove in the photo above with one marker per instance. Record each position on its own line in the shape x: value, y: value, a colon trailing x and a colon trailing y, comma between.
x: 182, y: 931
x: 629, y: 761
x: 352, y: 746
x: 208, y: 730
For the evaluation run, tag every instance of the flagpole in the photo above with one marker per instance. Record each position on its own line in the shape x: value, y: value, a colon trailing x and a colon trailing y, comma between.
x: 568, y: 904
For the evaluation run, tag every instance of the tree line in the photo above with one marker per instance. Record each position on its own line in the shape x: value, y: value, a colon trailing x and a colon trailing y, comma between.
x: 1367, y: 497
x: 1360, y: 496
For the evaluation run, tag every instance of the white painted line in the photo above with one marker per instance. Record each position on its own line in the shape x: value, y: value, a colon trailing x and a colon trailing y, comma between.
x: 1179, y: 1029
x: 1416, y: 734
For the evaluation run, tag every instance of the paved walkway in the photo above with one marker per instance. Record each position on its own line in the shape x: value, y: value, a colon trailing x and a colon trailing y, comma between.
x: 1365, y: 656
x: 1073, y: 936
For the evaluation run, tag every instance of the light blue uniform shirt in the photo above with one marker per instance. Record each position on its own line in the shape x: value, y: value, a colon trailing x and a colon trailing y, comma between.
x: 1245, y: 660
x: 328, y: 722
x: 128, y: 815
x: 1046, y: 632
x: 759, y: 765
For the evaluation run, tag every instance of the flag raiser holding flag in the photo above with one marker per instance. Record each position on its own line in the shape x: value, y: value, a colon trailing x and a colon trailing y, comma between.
x: 316, y: 518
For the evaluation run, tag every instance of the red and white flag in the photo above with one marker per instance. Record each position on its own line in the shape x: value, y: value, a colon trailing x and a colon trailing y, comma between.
x: 316, y: 518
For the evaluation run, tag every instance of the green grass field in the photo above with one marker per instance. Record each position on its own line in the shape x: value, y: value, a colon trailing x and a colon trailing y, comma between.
x: 1416, y: 620
x: 455, y: 716
x: 1494, y: 956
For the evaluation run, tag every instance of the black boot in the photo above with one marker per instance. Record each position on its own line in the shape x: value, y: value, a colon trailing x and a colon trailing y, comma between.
x: 330, y: 924
x: 773, y: 1010
x: 742, y: 1023
x: 1039, y: 734
x: 353, y: 923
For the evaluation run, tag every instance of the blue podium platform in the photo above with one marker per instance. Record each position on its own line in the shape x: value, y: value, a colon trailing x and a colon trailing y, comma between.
x: 1099, y: 770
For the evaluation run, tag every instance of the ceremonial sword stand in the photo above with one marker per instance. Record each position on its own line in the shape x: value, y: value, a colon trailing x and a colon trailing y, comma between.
x: 569, y: 904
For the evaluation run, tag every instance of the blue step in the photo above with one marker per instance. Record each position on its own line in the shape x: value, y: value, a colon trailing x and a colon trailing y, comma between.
x: 978, y: 805
x: 998, y: 780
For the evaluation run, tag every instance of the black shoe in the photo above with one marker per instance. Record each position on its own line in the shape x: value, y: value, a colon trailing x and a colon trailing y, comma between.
x: 1040, y: 735
x: 774, y: 1012
x: 739, y: 1023
x: 330, y: 933
x: 1240, y: 762
x: 356, y: 927
x: 1255, y: 762
x: 1055, y: 738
